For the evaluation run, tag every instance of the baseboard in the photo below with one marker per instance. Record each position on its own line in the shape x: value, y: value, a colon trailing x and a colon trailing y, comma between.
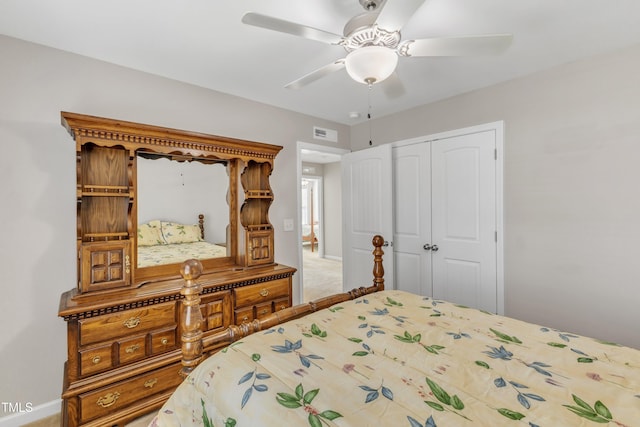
x: 30, y: 413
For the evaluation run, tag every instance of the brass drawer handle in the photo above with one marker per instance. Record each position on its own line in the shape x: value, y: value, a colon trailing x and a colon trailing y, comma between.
x: 108, y: 399
x: 264, y: 292
x: 132, y: 348
x: 283, y: 306
x: 150, y: 383
x: 96, y: 359
x: 164, y: 341
x: 245, y: 319
x: 265, y: 311
x: 132, y: 322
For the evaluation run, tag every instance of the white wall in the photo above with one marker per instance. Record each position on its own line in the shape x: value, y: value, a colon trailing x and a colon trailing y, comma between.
x: 333, y: 210
x: 37, y: 185
x: 572, y: 203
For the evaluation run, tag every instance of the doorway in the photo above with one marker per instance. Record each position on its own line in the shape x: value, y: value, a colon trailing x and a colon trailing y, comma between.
x: 319, y: 219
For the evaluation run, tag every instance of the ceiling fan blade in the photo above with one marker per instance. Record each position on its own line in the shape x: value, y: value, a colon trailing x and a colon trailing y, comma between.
x: 396, y: 13
x: 457, y: 46
x: 275, y: 24
x: 392, y: 86
x: 316, y: 75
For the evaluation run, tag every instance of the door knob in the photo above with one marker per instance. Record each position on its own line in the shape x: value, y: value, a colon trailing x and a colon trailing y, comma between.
x: 386, y: 243
x: 426, y: 247
x: 434, y: 248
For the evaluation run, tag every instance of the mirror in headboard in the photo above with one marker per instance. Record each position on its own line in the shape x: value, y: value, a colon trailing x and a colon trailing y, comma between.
x: 128, y: 181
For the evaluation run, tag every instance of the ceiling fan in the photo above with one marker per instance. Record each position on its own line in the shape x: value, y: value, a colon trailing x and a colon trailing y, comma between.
x: 373, y: 41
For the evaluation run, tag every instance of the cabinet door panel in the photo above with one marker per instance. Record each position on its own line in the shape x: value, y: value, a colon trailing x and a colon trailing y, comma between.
x: 105, y: 265
x: 216, y: 311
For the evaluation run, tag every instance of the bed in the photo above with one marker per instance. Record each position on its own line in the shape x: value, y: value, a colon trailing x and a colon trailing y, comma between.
x: 377, y: 357
x: 169, y: 242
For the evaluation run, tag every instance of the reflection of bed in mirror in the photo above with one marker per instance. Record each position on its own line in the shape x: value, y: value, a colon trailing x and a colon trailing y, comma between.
x: 168, y: 242
x: 172, y: 190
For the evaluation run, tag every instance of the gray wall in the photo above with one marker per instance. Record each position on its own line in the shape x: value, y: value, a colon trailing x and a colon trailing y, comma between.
x: 572, y: 204
x: 38, y: 174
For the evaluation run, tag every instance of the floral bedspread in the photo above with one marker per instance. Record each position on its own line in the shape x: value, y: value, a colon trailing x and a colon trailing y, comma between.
x: 178, y: 252
x: 398, y: 359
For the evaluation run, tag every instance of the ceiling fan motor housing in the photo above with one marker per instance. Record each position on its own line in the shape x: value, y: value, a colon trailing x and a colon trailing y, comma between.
x: 361, y: 31
x: 370, y: 5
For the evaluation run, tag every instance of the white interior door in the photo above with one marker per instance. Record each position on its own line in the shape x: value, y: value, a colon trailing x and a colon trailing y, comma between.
x: 463, y: 217
x: 412, y: 217
x: 367, y: 210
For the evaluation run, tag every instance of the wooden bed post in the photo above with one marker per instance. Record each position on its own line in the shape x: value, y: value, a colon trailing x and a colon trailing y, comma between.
x: 201, y: 225
x: 191, y: 317
x: 193, y: 341
x: 378, y: 268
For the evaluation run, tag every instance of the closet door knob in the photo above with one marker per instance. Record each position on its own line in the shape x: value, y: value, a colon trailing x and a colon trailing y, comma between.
x: 426, y: 247
x: 434, y: 248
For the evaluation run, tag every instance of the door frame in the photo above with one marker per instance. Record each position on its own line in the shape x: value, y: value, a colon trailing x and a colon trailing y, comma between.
x: 298, y: 227
x: 498, y: 129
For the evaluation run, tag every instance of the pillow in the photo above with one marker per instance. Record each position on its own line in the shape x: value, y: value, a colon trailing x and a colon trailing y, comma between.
x: 180, y: 233
x: 150, y: 235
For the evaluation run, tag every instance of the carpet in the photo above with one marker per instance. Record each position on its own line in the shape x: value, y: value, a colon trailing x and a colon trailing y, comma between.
x: 321, y: 276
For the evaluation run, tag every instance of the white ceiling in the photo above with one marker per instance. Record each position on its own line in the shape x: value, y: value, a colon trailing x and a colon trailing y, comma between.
x: 204, y: 43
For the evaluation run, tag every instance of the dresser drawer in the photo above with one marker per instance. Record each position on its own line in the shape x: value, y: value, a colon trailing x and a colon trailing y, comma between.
x: 262, y: 292
x: 163, y: 341
x: 244, y: 315
x: 131, y: 349
x: 95, y: 359
x: 119, y: 395
x: 128, y: 322
x: 280, y: 304
x: 264, y: 309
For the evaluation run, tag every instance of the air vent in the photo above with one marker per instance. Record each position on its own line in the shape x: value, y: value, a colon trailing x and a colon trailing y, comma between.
x: 325, y: 134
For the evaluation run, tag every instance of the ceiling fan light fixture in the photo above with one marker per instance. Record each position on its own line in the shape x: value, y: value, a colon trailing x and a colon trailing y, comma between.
x: 371, y: 64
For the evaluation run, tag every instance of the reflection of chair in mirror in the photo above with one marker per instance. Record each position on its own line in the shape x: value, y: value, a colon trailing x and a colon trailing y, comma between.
x: 167, y: 242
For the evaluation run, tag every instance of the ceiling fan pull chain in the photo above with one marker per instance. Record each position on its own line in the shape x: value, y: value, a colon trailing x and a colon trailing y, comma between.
x: 370, y: 86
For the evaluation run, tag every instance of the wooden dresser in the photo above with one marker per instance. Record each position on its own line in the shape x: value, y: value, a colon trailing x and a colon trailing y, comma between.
x: 123, y: 321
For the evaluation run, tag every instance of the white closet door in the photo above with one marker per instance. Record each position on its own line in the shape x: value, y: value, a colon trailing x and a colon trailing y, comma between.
x: 412, y: 217
x: 367, y: 210
x: 463, y: 198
